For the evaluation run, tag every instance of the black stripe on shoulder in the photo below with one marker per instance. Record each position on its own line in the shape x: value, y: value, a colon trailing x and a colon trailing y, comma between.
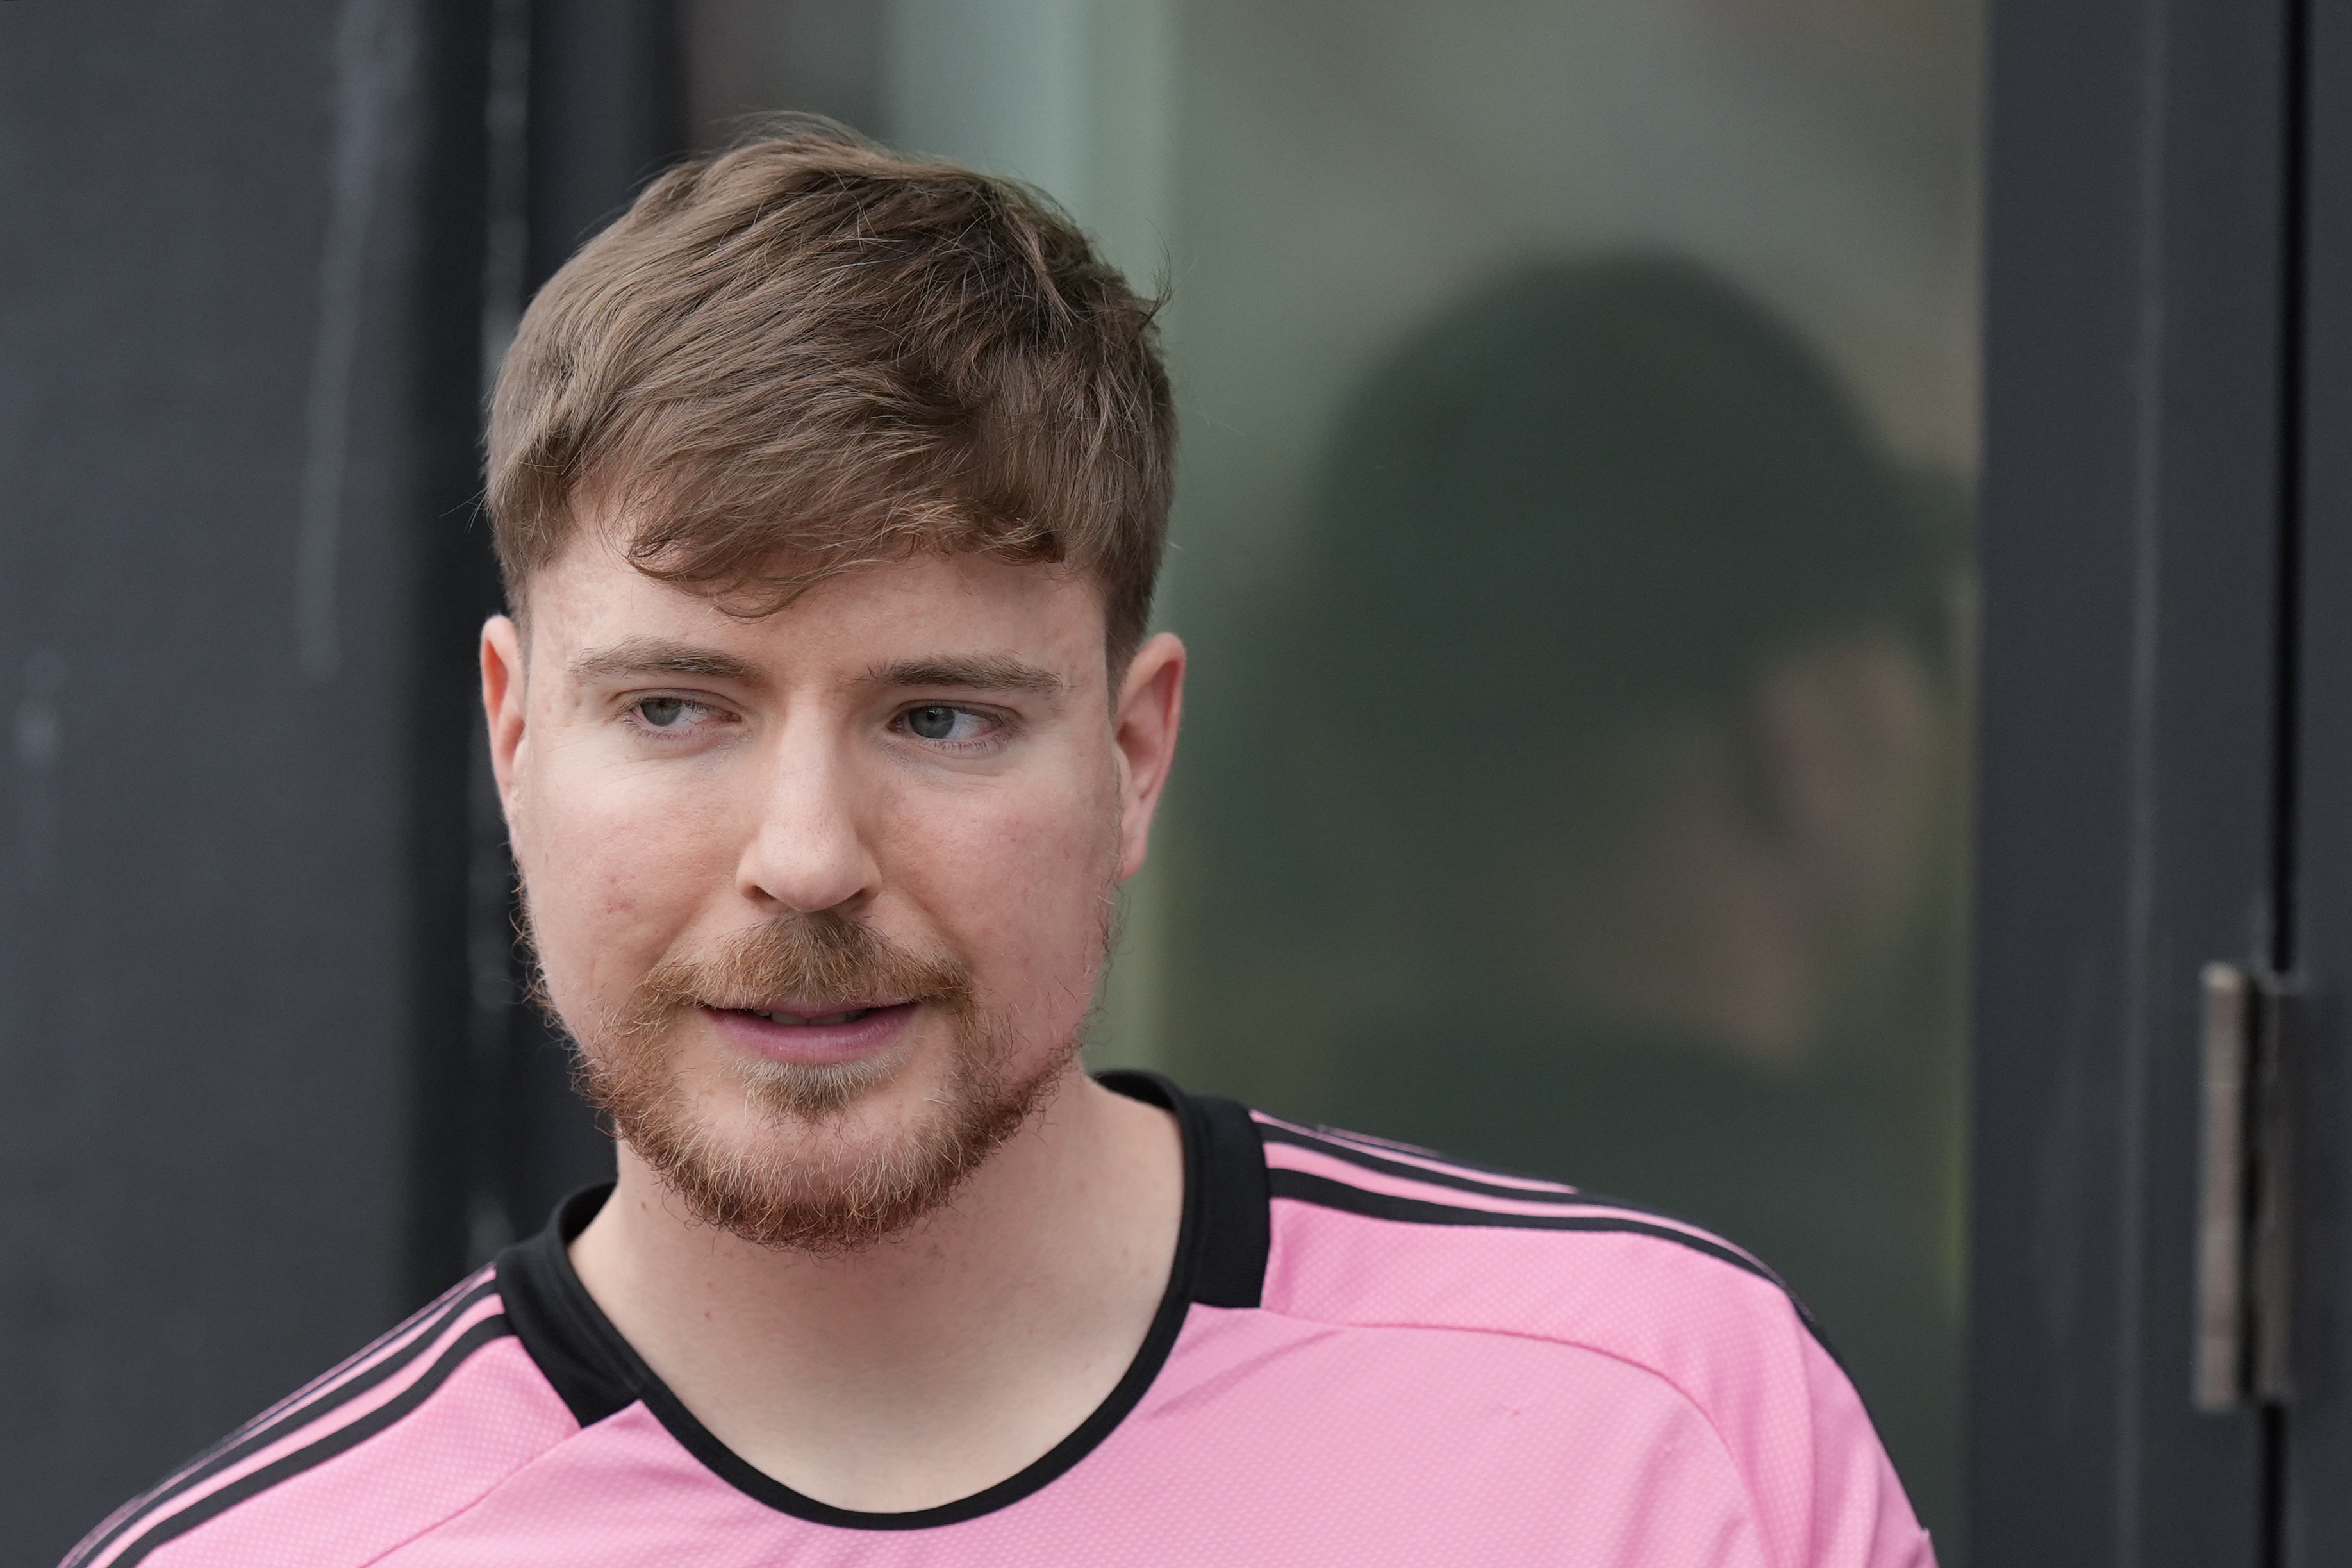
x: 341, y: 1440
x: 1354, y: 1142
x: 1329, y: 1141
x: 307, y: 1405
x: 1306, y: 1187
x: 1356, y: 1155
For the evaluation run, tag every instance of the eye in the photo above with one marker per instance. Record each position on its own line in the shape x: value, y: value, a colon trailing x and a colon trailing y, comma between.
x: 677, y: 718
x: 937, y: 721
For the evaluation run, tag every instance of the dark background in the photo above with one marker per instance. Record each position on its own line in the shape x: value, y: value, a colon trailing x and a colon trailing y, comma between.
x: 268, y: 1089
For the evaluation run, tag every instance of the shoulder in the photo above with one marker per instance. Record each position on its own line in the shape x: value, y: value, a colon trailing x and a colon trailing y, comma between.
x: 1367, y: 1234
x: 1563, y: 1262
x: 409, y: 1432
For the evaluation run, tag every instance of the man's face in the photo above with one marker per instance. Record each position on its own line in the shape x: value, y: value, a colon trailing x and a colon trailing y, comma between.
x: 822, y: 894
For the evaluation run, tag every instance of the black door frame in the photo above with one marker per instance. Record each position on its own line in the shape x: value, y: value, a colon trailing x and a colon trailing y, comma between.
x: 2314, y: 1502
x: 2138, y: 783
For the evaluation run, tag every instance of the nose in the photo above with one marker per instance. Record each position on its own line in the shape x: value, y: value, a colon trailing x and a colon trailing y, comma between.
x: 807, y: 848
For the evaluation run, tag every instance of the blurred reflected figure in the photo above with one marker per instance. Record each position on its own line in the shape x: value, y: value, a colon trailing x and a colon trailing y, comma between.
x: 1635, y: 769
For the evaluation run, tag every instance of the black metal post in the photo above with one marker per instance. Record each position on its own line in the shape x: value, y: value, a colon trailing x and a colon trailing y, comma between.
x: 238, y: 351
x: 2131, y: 784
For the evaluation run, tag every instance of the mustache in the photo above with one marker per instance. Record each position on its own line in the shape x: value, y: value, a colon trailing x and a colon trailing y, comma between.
x: 824, y: 956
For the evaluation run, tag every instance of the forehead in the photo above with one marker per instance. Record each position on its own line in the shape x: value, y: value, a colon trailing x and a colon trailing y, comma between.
x: 591, y: 594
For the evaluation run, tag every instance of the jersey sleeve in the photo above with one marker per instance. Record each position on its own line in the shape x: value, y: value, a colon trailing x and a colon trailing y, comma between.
x: 1371, y: 1233
x: 1861, y: 1517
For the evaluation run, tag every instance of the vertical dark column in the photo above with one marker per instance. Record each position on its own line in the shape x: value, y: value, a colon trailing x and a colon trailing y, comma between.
x: 2130, y: 773
x: 238, y: 363
x: 2317, y: 1503
x: 607, y: 112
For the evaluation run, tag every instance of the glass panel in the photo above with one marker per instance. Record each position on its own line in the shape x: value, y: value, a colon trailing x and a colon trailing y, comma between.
x: 1573, y: 544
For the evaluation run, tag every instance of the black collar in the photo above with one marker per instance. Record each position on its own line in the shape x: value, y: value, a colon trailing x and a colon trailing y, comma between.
x: 1221, y: 1249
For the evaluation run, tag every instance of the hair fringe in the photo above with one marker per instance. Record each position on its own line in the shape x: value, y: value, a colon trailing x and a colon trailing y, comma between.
x: 809, y: 354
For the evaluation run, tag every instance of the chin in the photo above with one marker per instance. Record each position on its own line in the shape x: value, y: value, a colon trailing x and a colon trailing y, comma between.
x: 824, y: 1159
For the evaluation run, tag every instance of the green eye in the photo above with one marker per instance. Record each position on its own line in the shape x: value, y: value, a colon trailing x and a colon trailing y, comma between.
x: 662, y: 713
x: 933, y: 723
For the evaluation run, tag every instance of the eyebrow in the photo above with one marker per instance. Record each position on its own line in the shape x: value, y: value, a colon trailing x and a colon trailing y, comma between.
x: 973, y: 672
x: 642, y: 656
x: 656, y: 656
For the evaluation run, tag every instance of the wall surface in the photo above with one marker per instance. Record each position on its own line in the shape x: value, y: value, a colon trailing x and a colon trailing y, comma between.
x: 239, y: 327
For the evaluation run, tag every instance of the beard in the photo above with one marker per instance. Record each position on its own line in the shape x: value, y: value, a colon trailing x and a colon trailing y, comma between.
x: 801, y: 1178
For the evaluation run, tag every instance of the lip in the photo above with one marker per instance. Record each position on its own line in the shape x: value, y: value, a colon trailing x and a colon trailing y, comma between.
x: 877, y: 1030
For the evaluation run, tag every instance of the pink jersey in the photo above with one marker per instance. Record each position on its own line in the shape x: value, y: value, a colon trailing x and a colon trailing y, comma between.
x: 1367, y: 1355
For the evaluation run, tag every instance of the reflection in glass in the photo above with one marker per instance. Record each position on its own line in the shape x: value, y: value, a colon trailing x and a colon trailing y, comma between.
x: 1608, y: 740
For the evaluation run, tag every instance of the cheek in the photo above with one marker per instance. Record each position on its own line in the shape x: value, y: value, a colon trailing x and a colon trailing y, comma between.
x: 1020, y: 887
x: 613, y: 878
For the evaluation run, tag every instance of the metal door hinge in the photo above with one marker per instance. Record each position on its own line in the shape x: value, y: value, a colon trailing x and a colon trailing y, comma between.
x: 2243, y: 1214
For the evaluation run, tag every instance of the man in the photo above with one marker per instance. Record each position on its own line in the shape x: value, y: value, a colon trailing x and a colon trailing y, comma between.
x: 831, y: 489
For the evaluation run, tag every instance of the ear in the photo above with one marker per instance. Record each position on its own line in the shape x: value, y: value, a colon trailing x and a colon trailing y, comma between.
x: 1150, y: 705
x: 503, y: 687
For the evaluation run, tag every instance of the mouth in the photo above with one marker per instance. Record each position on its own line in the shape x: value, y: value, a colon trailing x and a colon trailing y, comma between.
x: 819, y: 1019
x: 821, y: 1032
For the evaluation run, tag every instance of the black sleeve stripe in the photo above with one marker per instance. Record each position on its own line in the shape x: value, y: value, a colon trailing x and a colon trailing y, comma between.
x: 1275, y: 1133
x: 341, y: 1440
x: 1306, y: 1188
x: 324, y: 1396
x: 1368, y: 1143
x: 1356, y: 1200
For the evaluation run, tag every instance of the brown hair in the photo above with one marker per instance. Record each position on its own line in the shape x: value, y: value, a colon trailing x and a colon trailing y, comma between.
x: 809, y: 354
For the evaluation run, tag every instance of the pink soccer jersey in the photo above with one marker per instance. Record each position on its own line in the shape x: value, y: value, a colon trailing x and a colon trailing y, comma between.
x: 1367, y: 1355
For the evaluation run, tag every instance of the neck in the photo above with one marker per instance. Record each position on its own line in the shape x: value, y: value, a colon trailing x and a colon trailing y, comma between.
x: 930, y: 1365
